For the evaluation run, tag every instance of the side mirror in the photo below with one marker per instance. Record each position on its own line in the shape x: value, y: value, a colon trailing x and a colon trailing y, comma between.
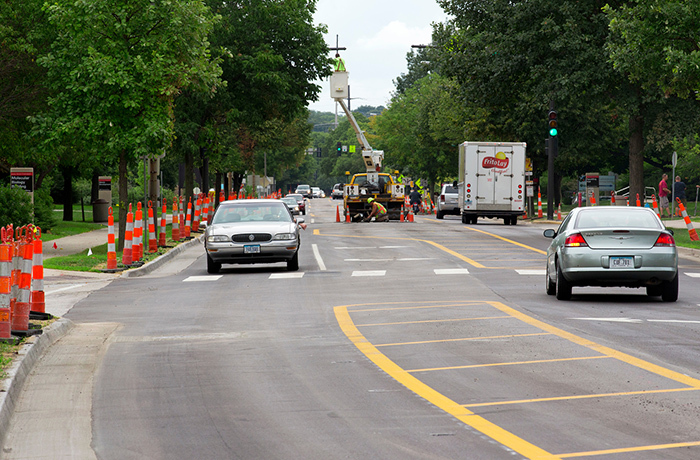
x: 455, y: 184
x: 299, y: 220
x: 549, y: 233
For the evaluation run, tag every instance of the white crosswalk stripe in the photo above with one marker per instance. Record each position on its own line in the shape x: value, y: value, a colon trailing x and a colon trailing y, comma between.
x: 202, y: 278
x: 290, y: 275
x: 369, y: 273
x: 532, y: 272
x: 451, y: 271
x: 693, y: 275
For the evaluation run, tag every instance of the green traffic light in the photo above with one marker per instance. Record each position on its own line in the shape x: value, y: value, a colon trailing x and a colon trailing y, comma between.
x: 553, y: 132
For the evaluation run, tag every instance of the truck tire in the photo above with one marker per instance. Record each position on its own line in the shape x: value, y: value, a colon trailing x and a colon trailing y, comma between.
x: 464, y: 219
x: 514, y: 220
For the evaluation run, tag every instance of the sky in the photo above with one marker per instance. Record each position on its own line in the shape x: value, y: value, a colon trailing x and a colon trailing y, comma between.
x: 377, y: 34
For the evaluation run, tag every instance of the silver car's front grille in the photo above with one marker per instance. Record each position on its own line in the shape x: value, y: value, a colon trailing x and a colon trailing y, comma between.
x: 251, y: 237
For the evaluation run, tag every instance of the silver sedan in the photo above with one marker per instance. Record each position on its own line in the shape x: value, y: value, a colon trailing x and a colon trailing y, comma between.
x: 612, y: 246
x: 252, y: 231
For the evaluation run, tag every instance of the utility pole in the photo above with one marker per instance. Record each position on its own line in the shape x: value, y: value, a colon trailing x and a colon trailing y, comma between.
x: 552, y: 153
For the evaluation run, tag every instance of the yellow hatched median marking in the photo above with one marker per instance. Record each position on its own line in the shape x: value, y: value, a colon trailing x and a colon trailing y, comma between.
x: 458, y: 411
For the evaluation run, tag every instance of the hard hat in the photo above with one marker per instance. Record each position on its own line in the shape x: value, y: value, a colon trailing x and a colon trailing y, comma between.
x: 369, y: 200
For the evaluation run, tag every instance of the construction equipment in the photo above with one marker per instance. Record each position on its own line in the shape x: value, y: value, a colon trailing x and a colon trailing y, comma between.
x: 373, y: 183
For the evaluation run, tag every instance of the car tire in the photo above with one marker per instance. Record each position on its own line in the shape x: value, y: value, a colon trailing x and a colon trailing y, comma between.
x: 654, y: 291
x: 293, y: 263
x: 439, y: 215
x: 551, y: 286
x: 212, y: 267
x: 669, y: 290
x: 563, y: 287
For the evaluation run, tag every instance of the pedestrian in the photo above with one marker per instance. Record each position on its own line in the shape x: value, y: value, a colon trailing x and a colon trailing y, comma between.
x: 679, y: 190
x: 378, y: 211
x: 664, y: 192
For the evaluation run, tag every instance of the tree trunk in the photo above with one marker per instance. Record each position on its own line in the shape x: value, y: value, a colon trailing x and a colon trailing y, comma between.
x: 123, y: 197
x: 217, y: 187
x: 95, y: 187
x: 636, y: 157
x: 67, y: 193
x: 189, y: 176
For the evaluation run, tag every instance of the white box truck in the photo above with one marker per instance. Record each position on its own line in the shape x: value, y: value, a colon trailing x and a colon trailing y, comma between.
x: 492, y: 181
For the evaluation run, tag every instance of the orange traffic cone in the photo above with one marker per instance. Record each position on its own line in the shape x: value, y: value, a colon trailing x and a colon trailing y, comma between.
x: 655, y: 205
x: 5, y: 287
x: 127, y: 254
x: 337, y: 213
x: 559, y: 212
x: 111, y: 248
x: 401, y: 218
x: 612, y: 198
x: 539, y: 203
x: 689, y: 225
x: 347, y: 216
x: 639, y: 203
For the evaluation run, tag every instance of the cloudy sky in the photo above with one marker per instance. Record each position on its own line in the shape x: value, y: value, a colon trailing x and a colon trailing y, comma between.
x: 377, y: 35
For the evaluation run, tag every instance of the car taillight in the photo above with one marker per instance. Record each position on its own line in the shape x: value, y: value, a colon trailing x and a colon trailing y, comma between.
x: 575, y: 241
x: 442, y: 197
x: 665, y: 240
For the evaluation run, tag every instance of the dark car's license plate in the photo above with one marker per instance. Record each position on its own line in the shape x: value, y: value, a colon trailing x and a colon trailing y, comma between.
x: 621, y: 262
x: 251, y: 249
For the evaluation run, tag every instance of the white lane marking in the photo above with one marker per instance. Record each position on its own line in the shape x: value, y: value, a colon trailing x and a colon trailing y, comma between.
x: 369, y: 273
x: 319, y: 260
x: 613, y: 320
x: 693, y: 275
x: 280, y: 276
x: 356, y: 247
x: 202, y: 278
x: 671, y: 321
x: 392, y: 247
x: 532, y: 272
x: 72, y: 286
x: 451, y: 271
x: 405, y: 259
x: 367, y: 260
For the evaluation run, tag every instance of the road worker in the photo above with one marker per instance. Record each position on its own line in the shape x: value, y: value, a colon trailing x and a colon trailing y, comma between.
x: 378, y: 211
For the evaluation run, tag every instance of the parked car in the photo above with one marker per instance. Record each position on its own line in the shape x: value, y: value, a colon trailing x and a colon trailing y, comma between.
x: 300, y: 201
x: 337, y: 192
x: 252, y: 231
x: 316, y: 192
x: 292, y: 204
x: 612, y: 246
x: 304, y: 190
x: 447, y: 202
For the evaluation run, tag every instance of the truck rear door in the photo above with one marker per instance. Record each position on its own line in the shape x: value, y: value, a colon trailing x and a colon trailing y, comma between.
x: 495, y: 177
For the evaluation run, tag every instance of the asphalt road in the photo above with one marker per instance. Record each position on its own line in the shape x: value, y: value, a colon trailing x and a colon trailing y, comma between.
x: 431, y: 340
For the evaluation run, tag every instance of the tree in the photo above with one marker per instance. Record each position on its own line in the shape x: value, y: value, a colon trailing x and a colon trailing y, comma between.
x: 271, y: 54
x: 658, y: 44
x: 116, y: 67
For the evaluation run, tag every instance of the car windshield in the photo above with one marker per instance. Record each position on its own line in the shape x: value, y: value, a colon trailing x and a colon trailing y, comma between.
x: 252, y: 212
x: 296, y: 196
x: 624, y: 218
x: 290, y: 200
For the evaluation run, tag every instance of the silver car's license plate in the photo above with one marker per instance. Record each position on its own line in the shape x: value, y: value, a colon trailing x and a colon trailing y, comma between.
x: 251, y: 249
x: 621, y: 262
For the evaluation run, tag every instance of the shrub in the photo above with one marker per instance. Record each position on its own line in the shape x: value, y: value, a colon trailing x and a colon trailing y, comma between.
x: 15, y: 206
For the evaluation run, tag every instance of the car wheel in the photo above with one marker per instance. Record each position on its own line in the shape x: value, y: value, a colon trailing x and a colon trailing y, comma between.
x: 439, y: 215
x: 303, y: 213
x: 563, y: 287
x: 293, y: 263
x: 212, y: 267
x: 654, y: 291
x: 669, y: 290
x: 551, y: 286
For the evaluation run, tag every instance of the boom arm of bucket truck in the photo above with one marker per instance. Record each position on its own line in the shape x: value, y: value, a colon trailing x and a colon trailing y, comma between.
x: 372, y: 158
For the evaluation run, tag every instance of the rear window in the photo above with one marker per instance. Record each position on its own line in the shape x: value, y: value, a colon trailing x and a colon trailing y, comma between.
x: 621, y: 217
x: 450, y: 189
x: 249, y: 212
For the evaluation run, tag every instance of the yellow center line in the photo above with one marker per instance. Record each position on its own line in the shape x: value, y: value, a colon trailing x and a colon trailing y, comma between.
x: 569, y: 398
x: 630, y: 449
x: 507, y: 240
x: 458, y: 411
x: 434, y: 321
x: 515, y: 363
x: 464, y: 339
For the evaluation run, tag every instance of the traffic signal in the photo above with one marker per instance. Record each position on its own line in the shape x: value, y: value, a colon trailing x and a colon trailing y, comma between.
x: 339, y: 148
x: 552, y: 123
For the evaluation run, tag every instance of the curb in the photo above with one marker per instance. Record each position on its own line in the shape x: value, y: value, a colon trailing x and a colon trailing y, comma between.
x: 161, y: 260
x: 28, y: 356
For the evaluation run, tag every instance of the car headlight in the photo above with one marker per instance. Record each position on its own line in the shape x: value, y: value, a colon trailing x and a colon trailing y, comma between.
x: 285, y: 236
x: 218, y: 239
